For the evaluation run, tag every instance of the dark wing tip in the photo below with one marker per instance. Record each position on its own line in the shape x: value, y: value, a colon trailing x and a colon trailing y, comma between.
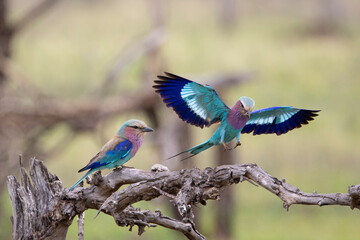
x: 163, y: 78
x: 296, y: 121
x: 169, y: 79
x: 309, y: 113
x: 167, y: 76
x: 158, y: 82
x: 171, y: 75
x: 158, y: 85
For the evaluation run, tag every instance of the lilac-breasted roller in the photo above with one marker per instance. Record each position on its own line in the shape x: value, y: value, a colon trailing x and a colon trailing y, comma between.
x: 118, y: 150
x: 201, y: 106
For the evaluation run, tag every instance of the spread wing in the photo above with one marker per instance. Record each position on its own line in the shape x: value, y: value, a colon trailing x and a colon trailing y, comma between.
x: 113, y: 150
x: 194, y: 103
x: 278, y: 120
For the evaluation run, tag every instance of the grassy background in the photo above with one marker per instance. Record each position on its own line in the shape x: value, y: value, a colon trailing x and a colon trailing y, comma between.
x: 67, y: 53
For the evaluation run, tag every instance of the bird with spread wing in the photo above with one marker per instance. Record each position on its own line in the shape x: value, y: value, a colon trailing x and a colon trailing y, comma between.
x: 201, y: 106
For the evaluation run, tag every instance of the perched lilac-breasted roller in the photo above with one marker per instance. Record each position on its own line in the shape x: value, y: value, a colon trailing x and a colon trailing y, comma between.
x: 118, y: 150
x: 201, y: 106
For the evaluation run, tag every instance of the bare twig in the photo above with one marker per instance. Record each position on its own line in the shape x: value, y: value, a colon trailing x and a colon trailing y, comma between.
x: 131, y: 216
x: 142, y: 47
x: 34, y: 13
x: 80, y: 221
x: 25, y: 85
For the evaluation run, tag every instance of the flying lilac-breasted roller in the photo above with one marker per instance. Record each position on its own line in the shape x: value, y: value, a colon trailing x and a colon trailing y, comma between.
x: 201, y: 106
x: 118, y: 150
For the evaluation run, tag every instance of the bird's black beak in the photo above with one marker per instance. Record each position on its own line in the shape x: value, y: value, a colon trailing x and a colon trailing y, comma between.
x: 147, y: 129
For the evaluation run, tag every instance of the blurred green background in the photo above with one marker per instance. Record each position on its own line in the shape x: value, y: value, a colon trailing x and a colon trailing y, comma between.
x: 304, y: 54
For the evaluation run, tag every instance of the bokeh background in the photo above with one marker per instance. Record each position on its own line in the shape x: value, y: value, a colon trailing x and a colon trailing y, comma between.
x: 66, y: 54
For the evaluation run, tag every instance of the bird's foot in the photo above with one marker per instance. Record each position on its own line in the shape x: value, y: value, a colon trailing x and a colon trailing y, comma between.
x: 118, y: 168
x: 226, y: 147
x: 237, y: 144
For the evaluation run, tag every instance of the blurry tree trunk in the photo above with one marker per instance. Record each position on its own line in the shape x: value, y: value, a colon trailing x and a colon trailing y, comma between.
x: 7, y: 30
x: 6, y: 34
x: 225, y: 208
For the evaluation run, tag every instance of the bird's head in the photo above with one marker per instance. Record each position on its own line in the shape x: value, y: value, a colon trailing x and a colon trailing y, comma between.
x: 247, y: 104
x: 134, y: 127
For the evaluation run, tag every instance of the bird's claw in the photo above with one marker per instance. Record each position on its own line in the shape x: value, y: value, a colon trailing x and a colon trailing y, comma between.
x: 237, y: 144
x: 118, y: 168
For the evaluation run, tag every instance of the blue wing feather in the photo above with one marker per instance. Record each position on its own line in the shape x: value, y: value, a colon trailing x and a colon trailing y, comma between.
x: 194, y: 103
x: 120, y: 151
x: 278, y: 120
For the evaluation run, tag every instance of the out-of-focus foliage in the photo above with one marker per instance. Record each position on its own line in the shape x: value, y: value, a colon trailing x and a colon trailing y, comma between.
x: 68, y: 51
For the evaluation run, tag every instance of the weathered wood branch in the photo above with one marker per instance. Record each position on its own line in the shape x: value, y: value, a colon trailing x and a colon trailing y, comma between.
x: 43, y: 209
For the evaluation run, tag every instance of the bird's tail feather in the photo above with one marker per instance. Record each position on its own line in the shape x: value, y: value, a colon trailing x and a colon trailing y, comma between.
x: 195, y: 150
x: 81, y: 179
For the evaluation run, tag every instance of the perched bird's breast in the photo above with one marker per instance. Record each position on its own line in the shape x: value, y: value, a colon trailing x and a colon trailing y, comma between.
x: 137, y: 142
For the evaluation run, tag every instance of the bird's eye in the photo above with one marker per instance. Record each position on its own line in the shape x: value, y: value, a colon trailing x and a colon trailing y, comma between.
x: 136, y: 127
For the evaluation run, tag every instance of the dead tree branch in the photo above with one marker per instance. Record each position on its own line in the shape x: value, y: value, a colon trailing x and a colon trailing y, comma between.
x: 144, y: 46
x: 80, y: 222
x: 43, y: 209
x: 37, y: 11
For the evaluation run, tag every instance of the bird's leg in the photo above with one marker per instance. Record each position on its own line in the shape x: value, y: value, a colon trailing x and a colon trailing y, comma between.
x: 226, y: 146
x: 222, y: 136
x: 221, y: 130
